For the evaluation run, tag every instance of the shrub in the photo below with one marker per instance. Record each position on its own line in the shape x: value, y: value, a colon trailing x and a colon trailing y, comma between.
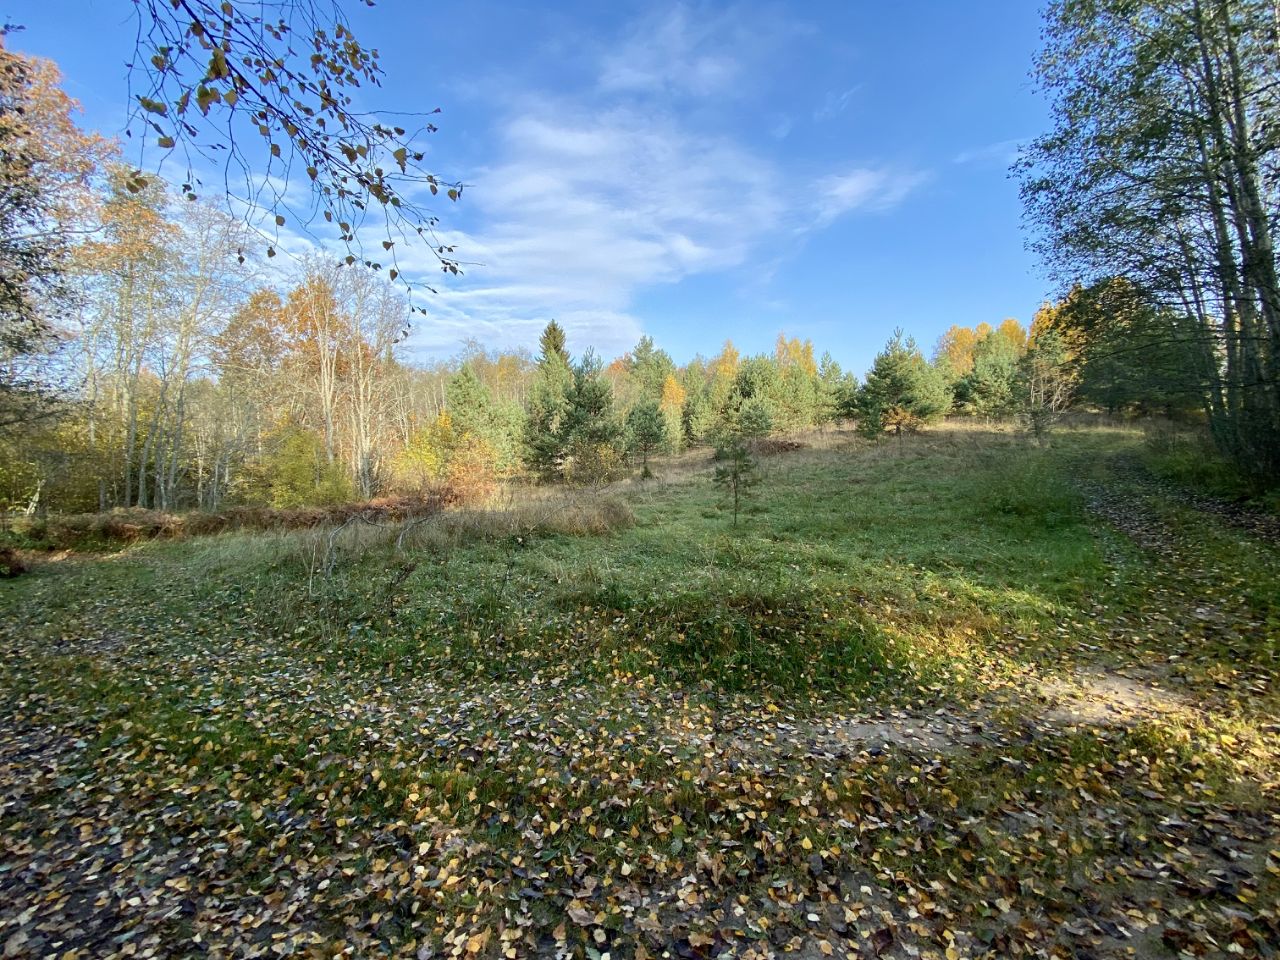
x: 576, y: 516
x: 296, y: 472
x: 899, y: 420
x: 132, y: 525
x: 771, y: 446
x: 1188, y: 457
x: 420, y: 465
x: 592, y: 464
x: 471, y: 474
x: 11, y: 564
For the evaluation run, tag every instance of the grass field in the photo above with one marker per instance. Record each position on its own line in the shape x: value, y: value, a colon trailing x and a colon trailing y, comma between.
x: 949, y: 696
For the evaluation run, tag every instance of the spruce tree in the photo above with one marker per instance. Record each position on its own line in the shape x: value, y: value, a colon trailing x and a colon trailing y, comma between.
x: 544, y: 440
x: 470, y: 407
x: 589, y: 414
x: 474, y: 414
x: 552, y: 344
x: 591, y: 429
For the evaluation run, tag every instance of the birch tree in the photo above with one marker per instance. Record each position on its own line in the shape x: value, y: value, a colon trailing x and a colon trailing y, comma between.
x: 1162, y: 167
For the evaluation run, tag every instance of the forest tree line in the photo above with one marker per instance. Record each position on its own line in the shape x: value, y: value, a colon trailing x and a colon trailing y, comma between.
x: 189, y: 382
x: 148, y: 361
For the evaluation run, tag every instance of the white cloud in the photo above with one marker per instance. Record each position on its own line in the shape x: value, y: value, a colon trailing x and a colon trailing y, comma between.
x: 587, y: 209
x: 863, y: 189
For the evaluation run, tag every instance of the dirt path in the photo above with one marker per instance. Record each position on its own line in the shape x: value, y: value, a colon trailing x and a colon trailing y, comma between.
x: 1256, y: 523
x: 1136, y: 654
x: 1186, y: 619
x: 1171, y: 652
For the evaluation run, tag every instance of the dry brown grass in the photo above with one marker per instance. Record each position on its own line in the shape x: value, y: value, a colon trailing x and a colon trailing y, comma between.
x: 319, y: 551
x: 570, y: 513
x: 521, y: 512
x: 121, y: 527
x: 523, y: 515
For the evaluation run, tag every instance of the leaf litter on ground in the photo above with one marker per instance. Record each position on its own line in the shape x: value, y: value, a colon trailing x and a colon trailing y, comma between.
x: 184, y: 772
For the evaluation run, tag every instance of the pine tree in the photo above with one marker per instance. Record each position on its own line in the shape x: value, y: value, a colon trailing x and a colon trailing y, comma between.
x: 649, y: 367
x: 902, y: 391
x: 591, y: 429
x: 672, y: 408
x: 738, y: 473
x: 797, y: 393
x: 646, y: 432
x: 837, y: 391
x: 697, y: 417
x: 758, y: 382
x: 988, y: 389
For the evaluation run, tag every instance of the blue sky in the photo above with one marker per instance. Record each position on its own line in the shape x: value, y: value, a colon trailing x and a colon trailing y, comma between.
x: 691, y: 171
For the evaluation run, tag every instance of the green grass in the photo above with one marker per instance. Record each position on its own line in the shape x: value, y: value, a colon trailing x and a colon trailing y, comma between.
x: 536, y: 728
x: 845, y: 559
x: 1187, y: 457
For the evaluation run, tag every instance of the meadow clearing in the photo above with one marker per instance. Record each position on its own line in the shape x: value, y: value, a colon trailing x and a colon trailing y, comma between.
x: 953, y: 695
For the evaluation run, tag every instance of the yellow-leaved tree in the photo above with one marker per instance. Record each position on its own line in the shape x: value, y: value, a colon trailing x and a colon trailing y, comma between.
x: 672, y: 407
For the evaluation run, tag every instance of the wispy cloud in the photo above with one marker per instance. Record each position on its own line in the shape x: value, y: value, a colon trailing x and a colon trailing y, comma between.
x: 674, y: 52
x: 597, y: 195
x: 835, y: 103
x: 863, y: 189
x: 1001, y: 153
x: 586, y: 209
